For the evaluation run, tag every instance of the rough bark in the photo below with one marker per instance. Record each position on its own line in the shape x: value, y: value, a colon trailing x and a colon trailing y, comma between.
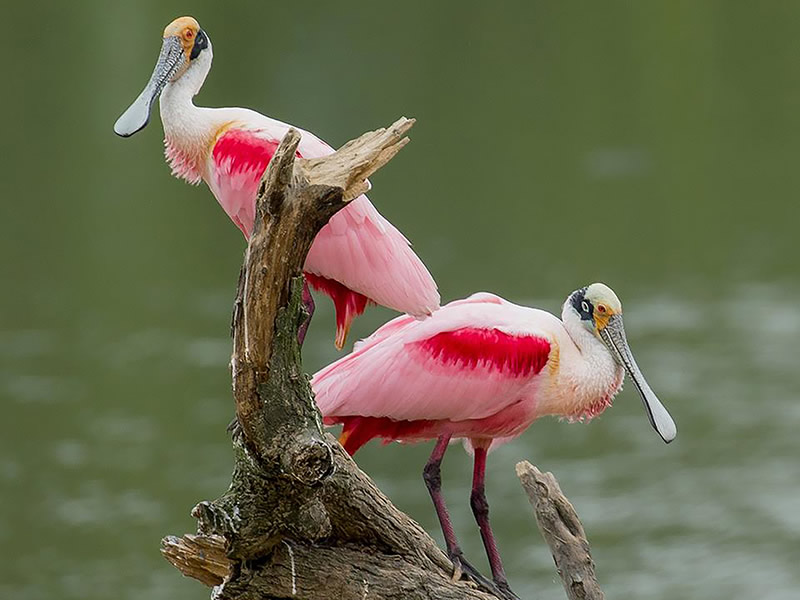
x: 300, y: 519
x: 562, y: 530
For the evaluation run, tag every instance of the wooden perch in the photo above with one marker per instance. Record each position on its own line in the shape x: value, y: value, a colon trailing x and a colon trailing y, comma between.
x: 299, y: 518
x: 562, y: 530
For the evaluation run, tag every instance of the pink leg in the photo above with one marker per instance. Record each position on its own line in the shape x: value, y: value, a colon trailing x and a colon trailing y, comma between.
x: 480, y: 508
x: 308, y: 304
x: 433, y: 481
x: 432, y: 475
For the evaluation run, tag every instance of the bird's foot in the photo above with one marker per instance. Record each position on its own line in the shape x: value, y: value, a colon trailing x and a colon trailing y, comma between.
x: 462, y: 568
x: 457, y: 570
x: 505, y: 591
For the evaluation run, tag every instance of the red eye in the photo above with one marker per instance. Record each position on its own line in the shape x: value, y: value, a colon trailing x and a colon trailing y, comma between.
x: 189, y: 34
x: 601, y: 308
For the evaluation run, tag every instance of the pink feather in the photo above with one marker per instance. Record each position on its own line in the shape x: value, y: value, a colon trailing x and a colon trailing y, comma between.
x: 358, y: 249
x: 472, y: 369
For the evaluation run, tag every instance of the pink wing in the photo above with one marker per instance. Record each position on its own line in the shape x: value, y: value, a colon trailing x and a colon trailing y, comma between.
x: 399, y: 323
x: 358, y: 248
x: 239, y: 158
x: 469, y: 361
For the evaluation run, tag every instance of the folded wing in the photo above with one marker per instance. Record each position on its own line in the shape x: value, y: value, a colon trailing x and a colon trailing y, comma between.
x: 358, y: 248
x: 470, y: 360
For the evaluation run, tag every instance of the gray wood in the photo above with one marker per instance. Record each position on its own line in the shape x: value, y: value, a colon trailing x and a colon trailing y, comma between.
x: 562, y: 530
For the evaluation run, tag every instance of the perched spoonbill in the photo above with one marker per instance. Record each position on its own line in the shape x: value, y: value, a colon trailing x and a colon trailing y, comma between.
x: 358, y: 257
x: 482, y: 369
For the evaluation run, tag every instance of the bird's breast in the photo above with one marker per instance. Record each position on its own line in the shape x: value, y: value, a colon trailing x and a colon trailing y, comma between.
x: 185, y: 160
x: 190, y: 135
x: 582, y: 386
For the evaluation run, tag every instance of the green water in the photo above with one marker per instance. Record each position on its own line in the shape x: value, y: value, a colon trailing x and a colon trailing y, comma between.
x: 649, y: 145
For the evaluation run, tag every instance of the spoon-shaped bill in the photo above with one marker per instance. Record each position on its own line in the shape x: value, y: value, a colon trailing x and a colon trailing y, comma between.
x: 169, y: 62
x: 613, y: 335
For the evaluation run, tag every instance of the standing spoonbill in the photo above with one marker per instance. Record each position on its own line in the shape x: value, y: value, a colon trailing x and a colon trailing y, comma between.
x: 482, y: 369
x: 358, y: 257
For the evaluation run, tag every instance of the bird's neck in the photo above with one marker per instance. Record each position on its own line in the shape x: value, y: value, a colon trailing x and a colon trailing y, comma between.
x: 592, y: 375
x: 189, y: 131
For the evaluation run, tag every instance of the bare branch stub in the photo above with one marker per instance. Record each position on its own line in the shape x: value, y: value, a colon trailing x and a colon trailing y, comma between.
x: 200, y: 557
x: 562, y: 530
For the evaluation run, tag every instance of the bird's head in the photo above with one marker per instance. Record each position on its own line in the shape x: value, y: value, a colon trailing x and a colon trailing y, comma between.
x: 595, y: 304
x: 185, y: 53
x: 600, y: 311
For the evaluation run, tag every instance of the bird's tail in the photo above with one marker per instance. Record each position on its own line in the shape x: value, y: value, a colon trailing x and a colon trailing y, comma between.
x: 354, y: 434
x: 357, y: 431
x: 348, y: 304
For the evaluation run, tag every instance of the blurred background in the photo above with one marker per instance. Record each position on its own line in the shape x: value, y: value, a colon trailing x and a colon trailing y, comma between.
x: 652, y: 146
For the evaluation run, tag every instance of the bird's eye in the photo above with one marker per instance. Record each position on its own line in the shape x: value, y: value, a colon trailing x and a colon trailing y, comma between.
x: 601, y: 308
x: 188, y: 34
x: 584, y: 306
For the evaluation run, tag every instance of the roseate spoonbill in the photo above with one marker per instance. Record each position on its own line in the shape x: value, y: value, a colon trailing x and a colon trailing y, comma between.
x: 358, y: 257
x: 482, y: 369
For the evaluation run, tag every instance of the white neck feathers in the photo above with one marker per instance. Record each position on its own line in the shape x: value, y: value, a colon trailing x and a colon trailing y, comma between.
x: 591, y: 374
x: 188, y: 130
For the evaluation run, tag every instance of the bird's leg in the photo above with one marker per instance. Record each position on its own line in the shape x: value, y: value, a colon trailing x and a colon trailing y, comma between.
x: 308, y: 304
x: 433, y: 481
x: 480, y: 508
x: 432, y: 474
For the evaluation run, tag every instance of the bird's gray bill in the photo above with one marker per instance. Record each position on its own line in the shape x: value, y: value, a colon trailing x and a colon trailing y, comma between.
x: 138, y: 114
x: 613, y: 335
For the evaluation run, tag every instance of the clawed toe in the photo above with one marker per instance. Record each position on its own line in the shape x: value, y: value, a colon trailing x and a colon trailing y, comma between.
x: 505, y: 591
x: 457, y: 570
x: 462, y: 568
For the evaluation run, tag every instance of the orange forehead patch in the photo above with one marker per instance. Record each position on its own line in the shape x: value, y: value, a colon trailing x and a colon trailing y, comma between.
x: 181, y: 26
x: 184, y: 28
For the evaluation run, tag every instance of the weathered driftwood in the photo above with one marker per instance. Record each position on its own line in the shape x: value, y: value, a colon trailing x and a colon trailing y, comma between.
x: 562, y: 530
x: 300, y: 519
